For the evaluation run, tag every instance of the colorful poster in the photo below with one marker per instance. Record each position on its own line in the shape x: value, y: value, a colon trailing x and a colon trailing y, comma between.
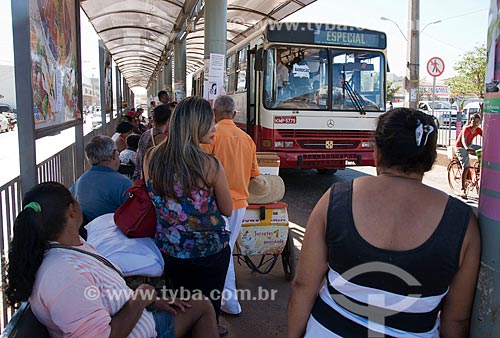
x: 108, y: 83
x: 54, y: 62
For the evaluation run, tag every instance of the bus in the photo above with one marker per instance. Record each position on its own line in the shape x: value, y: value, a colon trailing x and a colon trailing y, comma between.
x: 309, y: 92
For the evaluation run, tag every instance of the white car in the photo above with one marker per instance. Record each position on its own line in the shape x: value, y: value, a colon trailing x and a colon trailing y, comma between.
x: 4, y: 123
x: 443, y: 112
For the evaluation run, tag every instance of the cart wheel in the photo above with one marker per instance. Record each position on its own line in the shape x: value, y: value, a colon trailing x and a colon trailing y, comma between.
x: 288, y: 257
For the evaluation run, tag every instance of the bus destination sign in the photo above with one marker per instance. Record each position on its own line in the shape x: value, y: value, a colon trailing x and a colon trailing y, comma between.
x: 350, y: 38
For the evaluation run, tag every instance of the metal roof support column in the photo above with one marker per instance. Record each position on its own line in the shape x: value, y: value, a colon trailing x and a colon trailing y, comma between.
x: 180, y: 70
x: 485, y: 320
x: 79, y: 157
x: 215, y: 46
x: 124, y: 90
x: 102, y: 84
x: 130, y: 97
x: 167, y: 78
x: 159, y: 80
x: 118, y: 91
x: 24, y: 94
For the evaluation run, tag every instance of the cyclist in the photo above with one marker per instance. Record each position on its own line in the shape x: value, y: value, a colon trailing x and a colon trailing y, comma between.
x: 464, y: 146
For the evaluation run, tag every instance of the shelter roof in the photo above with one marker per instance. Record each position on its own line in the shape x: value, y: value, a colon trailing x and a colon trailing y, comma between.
x: 140, y: 34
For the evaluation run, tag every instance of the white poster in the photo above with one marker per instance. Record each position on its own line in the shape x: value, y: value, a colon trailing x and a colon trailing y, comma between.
x: 216, y: 66
x: 179, y: 91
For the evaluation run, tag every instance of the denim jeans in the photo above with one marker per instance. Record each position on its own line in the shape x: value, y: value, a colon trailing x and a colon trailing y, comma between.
x: 164, y: 324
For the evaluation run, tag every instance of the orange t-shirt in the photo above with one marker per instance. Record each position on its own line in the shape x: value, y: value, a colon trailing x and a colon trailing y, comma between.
x: 237, y: 153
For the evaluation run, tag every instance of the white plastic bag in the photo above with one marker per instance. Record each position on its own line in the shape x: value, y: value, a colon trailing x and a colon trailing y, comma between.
x: 134, y: 256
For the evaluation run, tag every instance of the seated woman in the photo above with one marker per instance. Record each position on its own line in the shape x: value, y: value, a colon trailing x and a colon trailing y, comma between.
x: 123, y: 130
x: 400, y: 258
x: 75, y: 292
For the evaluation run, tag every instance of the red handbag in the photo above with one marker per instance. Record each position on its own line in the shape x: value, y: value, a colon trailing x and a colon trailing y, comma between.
x: 136, y: 217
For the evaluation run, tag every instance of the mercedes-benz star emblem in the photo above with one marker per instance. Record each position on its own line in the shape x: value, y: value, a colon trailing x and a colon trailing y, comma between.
x: 330, y: 123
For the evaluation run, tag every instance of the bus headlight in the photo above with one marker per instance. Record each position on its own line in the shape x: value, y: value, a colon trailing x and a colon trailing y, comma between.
x: 367, y: 144
x: 283, y: 144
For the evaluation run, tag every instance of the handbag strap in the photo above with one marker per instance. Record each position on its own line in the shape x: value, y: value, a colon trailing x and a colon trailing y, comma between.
x: 152, y: 137
x: 96, y: 256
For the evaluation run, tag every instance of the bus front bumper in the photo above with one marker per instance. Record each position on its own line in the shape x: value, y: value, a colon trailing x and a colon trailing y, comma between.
x: 325, y: 160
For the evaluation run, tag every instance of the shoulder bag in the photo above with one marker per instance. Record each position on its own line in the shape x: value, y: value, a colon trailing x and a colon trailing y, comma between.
x: 136, y: 217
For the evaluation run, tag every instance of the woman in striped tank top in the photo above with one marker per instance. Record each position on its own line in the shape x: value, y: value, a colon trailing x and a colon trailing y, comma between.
x: 388, y: 256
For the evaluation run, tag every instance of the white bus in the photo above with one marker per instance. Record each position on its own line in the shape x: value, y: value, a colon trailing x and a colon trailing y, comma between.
x: 309, y: 92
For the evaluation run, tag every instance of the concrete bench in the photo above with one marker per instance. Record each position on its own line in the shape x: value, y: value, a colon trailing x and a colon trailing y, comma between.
x: 24, y: 325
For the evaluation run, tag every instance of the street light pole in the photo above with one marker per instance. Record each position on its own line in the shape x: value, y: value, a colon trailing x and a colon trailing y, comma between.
x: 430, y: 23
x: 394, y: 22
x: 412, y: 67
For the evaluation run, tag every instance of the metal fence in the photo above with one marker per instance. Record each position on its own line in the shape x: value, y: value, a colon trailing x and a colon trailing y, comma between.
x: 60, y: 168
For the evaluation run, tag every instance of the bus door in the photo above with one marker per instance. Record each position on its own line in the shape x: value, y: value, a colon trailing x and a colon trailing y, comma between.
x: 251, y: 94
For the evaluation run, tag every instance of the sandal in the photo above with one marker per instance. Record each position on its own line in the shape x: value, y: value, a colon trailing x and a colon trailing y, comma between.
x: 222, y: 331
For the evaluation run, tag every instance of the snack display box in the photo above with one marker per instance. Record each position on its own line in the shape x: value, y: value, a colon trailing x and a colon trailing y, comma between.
x: 264, y: 230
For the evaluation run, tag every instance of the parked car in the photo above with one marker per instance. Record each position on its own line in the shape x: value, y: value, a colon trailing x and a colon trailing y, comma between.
x: 4, y: 123
x: 97, y: 119
x: 470, y: 109
x: 443, y: 111
x: 7, y: 111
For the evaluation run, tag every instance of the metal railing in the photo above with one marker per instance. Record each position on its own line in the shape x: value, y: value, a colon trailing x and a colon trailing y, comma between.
x: 60, y: 168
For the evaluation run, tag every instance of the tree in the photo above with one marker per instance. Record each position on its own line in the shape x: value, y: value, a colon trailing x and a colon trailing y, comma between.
x: 391, y: 90
x: 471, y: 70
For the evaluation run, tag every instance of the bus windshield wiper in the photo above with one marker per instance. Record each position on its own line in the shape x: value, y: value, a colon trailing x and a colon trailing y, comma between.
x: 354, y: 96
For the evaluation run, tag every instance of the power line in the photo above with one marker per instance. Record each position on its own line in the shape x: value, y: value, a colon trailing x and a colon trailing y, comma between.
x: 465, y: 14
x: 444, y: 43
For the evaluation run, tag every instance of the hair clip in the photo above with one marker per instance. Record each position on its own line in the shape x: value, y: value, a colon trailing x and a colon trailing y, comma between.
x: 35, y: 206
x: 420, y: 131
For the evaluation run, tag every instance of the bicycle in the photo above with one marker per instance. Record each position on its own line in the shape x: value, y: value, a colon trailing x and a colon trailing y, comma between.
x: 455, y: 176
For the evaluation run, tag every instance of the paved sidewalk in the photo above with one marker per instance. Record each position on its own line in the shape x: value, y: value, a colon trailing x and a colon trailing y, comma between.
x: 442, y: 157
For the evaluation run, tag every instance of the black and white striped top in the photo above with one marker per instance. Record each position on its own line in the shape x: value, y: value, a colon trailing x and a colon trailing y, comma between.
x: 372, y: 292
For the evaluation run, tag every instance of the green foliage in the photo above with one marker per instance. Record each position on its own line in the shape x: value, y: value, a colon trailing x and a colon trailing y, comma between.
x: 471, y: 71
x: 391, y: 90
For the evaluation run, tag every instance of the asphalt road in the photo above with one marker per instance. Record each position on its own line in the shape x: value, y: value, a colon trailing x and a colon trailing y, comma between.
x: 268, y: 318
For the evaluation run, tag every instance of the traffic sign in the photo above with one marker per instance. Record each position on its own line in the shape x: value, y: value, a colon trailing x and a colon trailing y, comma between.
x: 435, y: 66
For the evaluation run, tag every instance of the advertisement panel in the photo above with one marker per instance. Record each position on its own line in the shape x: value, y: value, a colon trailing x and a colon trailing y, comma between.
x: 54, y: 62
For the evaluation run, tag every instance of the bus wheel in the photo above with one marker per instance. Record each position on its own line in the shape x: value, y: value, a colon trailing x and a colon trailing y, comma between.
x: 327, y: 171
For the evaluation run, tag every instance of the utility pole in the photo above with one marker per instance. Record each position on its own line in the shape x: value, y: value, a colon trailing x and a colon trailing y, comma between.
x: 412, y: 66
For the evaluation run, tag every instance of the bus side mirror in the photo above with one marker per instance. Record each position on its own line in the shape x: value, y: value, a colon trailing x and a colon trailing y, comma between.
x: 260, y: 59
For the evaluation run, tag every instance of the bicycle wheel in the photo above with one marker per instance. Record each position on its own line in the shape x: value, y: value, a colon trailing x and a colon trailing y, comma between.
x: 455, y: 176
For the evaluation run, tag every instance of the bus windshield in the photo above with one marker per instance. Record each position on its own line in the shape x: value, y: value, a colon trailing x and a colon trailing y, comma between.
x: 357, y: 76
x: 294, y: 78
x: 298, y: 78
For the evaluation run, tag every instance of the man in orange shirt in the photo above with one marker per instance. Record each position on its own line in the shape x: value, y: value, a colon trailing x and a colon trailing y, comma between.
x: 237, y: 153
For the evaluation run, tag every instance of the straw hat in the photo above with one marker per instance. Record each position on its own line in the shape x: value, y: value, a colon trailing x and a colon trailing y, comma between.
x: 266, y: 189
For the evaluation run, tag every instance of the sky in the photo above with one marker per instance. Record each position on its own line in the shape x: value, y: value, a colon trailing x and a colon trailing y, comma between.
x: 463, y: 26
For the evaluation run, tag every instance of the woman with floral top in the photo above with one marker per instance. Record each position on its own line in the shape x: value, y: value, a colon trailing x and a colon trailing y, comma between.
x: 189, y: 190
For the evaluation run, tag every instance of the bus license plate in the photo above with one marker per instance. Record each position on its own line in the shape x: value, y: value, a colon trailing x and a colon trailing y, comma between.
x: 285, y: 120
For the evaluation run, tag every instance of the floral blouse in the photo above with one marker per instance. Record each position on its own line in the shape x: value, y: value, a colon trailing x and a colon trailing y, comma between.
x: 189, y: 226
